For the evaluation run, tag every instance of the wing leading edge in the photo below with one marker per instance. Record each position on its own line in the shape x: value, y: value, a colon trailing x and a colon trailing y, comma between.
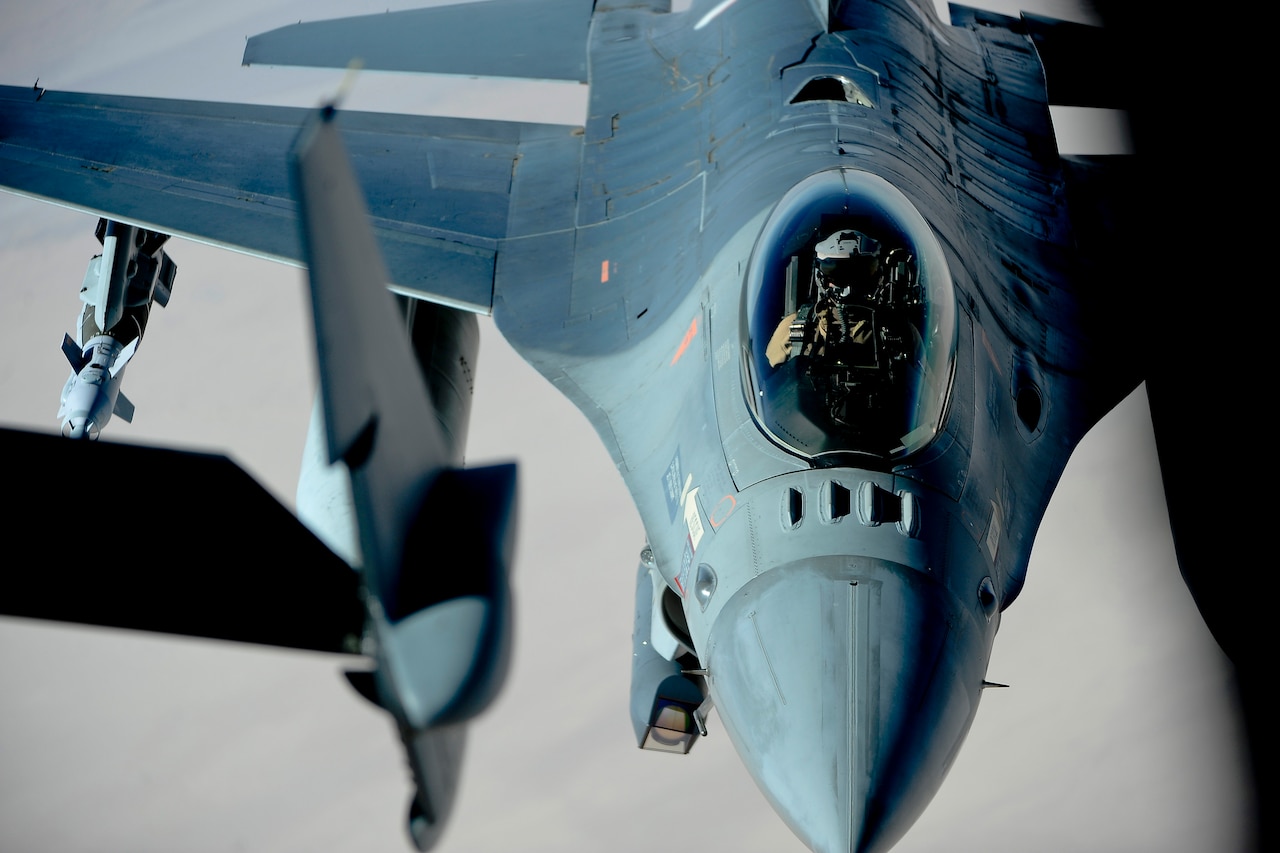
x: 442, y: 192
x: 488, y: 39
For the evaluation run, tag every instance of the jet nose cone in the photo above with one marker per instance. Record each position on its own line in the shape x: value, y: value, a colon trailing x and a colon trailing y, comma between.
x: 846, y: 686
x: 80, y: 427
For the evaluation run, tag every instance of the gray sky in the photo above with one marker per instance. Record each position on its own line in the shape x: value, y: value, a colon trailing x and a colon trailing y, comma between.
x: 1115, y: 735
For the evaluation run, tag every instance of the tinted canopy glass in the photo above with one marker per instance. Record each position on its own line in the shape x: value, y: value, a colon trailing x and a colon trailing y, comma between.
x: 851, y: 320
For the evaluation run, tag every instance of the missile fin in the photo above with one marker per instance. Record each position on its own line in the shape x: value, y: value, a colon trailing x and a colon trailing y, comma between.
x: 123, y: 408
x: 122, y: 360
x: 89, y: 287
x: 164, y: 284
x: 74, y: 353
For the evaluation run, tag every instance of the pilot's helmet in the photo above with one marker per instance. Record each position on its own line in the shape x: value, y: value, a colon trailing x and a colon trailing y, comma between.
x: 842, y: 256
x: 839, y: 245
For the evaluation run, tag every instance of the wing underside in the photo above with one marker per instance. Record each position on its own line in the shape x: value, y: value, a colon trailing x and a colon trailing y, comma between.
x: 440, y: 190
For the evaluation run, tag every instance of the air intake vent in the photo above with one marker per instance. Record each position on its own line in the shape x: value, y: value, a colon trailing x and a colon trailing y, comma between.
x: 832, y: 88
x: 877, y: 506
x: 838, y: 503
x: 792, y: 508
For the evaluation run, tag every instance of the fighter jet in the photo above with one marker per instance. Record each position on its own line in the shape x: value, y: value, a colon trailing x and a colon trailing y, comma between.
x: 910, y: 405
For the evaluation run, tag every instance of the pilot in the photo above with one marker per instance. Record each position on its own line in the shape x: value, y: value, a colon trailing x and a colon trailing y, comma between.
x: 845, y: 267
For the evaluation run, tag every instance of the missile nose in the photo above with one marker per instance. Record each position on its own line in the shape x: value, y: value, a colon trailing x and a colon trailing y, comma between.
x: 846, y: 685
x: 80, y: 426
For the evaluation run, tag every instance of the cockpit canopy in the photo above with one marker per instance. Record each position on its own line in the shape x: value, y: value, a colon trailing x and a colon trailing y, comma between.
x: 851, y: 320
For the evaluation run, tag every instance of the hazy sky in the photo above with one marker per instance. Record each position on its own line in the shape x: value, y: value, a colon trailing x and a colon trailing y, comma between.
x: 1115, y: 735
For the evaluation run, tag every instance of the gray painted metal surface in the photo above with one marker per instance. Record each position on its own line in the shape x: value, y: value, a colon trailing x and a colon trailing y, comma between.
x: 442, y: 40
x: 440, y: 188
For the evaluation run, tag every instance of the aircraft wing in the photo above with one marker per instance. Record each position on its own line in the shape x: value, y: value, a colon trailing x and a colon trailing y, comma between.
x: 442, y: 39
x: 217, y: 173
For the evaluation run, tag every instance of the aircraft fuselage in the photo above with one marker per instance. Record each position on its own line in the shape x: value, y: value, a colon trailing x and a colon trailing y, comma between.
x: 840, y: 582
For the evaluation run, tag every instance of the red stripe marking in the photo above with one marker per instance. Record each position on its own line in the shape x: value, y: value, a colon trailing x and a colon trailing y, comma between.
x: 688, y: 338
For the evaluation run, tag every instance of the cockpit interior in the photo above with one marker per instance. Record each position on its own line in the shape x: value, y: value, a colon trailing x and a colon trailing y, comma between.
x: 852, y: 320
